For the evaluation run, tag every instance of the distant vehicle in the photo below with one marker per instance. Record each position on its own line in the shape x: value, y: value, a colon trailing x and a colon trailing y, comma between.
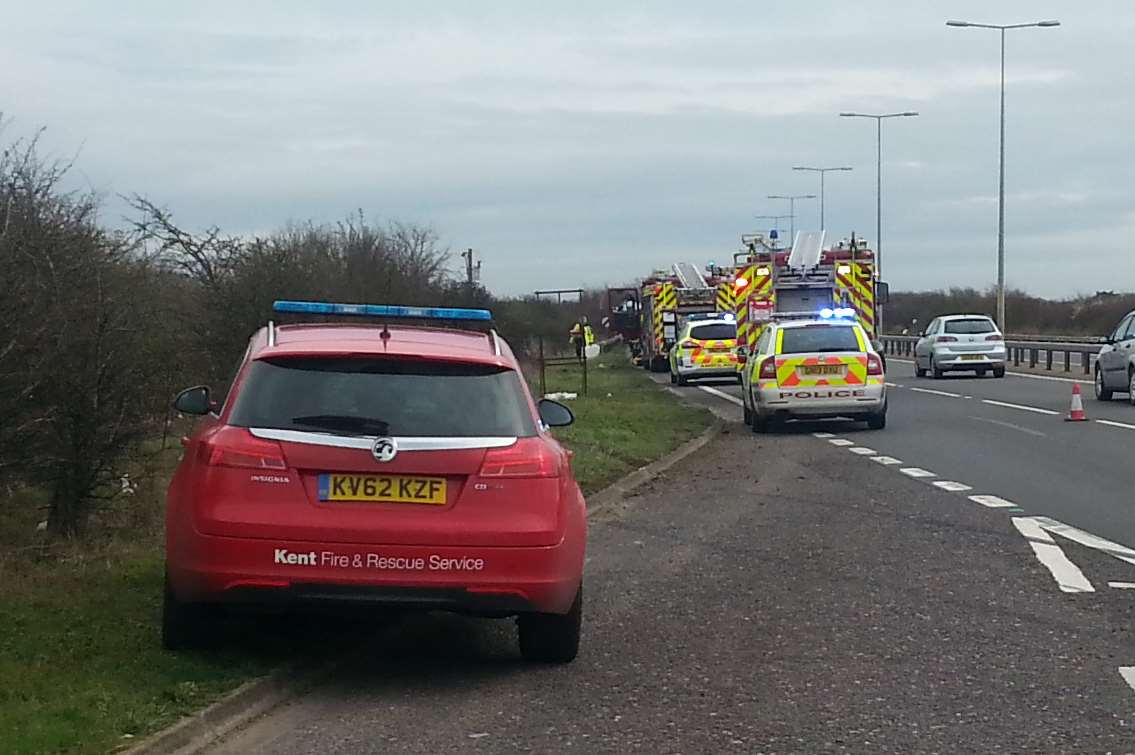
x: 814, y: 369
x: 1115, y: 366
x: 953, y: 343
x: 706, y: 348
x: 377, y: 464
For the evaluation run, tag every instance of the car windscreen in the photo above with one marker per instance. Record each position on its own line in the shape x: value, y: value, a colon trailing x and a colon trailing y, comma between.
x: 808, y: 339
x: 365, y: 396
x: 972, y: 325
x: 717, y: 331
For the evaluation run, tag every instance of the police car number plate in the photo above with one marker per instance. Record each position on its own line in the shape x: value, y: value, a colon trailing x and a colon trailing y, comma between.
x: 382, y: 488
x: 821, y: 369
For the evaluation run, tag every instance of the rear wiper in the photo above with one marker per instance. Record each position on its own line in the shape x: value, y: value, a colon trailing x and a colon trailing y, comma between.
x: 345, y: 422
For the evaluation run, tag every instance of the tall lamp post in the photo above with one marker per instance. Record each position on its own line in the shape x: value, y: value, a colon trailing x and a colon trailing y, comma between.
x: 792, y: 210
x: 879, y: 118
x: 1001, y: 172
x: 821, y: 171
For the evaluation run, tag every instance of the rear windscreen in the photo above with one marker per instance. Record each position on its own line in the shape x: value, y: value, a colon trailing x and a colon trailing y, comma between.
x: 383, y: 397
x: 976, y: 325
x: 812, y: 338
x: 718, y: 331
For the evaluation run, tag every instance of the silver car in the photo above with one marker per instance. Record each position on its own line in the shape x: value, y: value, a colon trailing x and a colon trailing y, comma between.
x: 960, y: 342
x: 1115, y: 366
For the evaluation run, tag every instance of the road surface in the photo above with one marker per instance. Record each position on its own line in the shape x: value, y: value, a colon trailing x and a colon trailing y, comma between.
x: 812, y: 591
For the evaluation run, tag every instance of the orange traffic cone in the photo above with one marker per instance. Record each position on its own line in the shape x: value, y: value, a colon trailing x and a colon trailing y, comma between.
x: 1076, y: 413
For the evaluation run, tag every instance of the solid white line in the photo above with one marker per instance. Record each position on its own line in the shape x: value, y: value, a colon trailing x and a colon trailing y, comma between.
x: 1007, y: 405
x: 1110, y: 423
x: 841, y: 442
x: 823, y: 436
x: 862, y: 451
x: 1128, y: 674
x: 1122, y: 585
x: 952, y: 487
x: 721, y: 394
x: 1067, y: 575
x: 1122, y: 552
x: 937, y: 393
x: 886, y: 460
x: 916, y: 472
x: 992, y: 501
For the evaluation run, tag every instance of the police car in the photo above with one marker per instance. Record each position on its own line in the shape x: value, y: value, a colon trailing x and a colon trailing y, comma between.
x: 813, y: 367
x: 382, y: 463
x: 706, y: 347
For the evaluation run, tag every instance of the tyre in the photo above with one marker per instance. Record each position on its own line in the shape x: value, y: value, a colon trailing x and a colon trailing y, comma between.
x: 683, y: 380
x: 549, y: 637
x: 187, y: 626
x: 761, y: 425
x: 1131, y: 386
x: 937, y: 373
x: 877, y: 421
x: 1103, y: 393
x: 918, y: 371
x: 998, y: 372
x: 673, y: 379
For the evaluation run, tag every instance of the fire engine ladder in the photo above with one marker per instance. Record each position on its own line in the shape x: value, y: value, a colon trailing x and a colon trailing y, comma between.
x: 806, y: 250
x: 689, y: 275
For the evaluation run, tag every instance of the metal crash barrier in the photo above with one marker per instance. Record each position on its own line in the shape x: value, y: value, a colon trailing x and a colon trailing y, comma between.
x: 1022, y: 350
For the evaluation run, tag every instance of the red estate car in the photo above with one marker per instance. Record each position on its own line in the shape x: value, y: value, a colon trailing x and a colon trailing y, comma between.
x: 396, y: 464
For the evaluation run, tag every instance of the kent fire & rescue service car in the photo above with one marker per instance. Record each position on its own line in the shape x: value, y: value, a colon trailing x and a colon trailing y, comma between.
x: 706, y: 348
x: 814, y: 366
x: 397, y: 462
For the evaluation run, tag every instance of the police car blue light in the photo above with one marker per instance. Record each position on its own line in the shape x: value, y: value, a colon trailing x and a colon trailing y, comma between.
x: 828, y: 313
x: 380, y: 310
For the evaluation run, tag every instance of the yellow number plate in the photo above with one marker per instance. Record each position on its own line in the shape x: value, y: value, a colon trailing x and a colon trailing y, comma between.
x: 821, y: 369
x: 382, y: 488
x: 972, y: 356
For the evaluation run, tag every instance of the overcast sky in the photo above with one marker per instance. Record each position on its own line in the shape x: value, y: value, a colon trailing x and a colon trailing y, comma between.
x: 590, y: 143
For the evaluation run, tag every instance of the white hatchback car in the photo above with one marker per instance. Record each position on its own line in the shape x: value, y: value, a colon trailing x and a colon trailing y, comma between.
x: 960, y: 343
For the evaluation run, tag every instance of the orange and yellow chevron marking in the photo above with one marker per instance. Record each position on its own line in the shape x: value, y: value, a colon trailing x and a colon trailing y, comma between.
x: 716, y: 351
x: 789, y: 372
x: 665, y: 300
x: 725, y: 301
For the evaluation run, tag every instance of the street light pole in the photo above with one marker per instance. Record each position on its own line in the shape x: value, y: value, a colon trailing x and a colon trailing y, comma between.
x: 821, y: 171
x: 1002, y: 28
x: 792, y: 210
x: 879, y: 178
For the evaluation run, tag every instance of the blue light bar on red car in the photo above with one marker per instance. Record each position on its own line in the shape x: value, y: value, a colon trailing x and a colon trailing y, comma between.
x: 381, y: 310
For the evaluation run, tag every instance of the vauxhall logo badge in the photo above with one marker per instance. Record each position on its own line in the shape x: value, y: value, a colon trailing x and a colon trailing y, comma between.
x: 384, y: 449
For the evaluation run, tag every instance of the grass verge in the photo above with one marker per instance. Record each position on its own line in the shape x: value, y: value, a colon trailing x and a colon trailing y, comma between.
x: 80, y: 657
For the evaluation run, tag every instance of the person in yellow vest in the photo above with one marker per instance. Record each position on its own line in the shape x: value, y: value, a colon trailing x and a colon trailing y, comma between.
x: 581, y: 336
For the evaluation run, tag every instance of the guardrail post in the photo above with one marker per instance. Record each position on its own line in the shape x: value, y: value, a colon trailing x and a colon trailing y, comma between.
x: 1016, y: 356
x: 585, y: 374
x: 1048, y: 360
x: 543, y: 378
x: 1087, y: 359
x: 1067, y: 361
x: 1032, y: 357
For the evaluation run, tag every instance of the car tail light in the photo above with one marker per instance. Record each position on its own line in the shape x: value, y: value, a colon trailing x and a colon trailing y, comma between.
x: 768, y: 369
x: 236, y: 447
x: 995, y: 337
x: 874, y: 365
x: 527, y: 457
x: 945, y: 339
x: 688, y: 345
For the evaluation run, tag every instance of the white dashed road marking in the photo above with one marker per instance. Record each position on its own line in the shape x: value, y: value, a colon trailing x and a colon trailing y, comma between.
x: 1007, y: 405
x: 1128, y: 674
x: 952, y: 487
x: 721, y: 394
x: 1067, y: 575
x: 937, y: 393
x: 916, y: 472
x: 992, y: 501
x: 823, y: 436
x: 1110, y: 423
x: 841, y: 442
x: 862, y: 451
x: 1122, y: 585
x: 886, y: 460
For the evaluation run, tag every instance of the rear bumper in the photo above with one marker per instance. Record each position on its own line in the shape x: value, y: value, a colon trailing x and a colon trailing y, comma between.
x: 960, y: 360
x: 478, y: 580
x: 821, y: 401
x: 699, y: 371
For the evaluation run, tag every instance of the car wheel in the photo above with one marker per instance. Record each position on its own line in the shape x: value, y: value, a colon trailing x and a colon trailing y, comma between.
x: 1103, y: 393
x: 998, y: 372
x: 683, y: 380
x: 877, y: 421
x: 761, y: 425
x: 550, y: 637
x: 187, y: 626
x: 935, y: 371
x: 673, y: 378
x: 1131, y: 386
x: 918, y: 371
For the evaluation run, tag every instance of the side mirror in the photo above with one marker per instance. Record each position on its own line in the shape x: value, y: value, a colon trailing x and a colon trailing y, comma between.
x: 882, y: 293
x: 194, y: 401
x: 554, y: 414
